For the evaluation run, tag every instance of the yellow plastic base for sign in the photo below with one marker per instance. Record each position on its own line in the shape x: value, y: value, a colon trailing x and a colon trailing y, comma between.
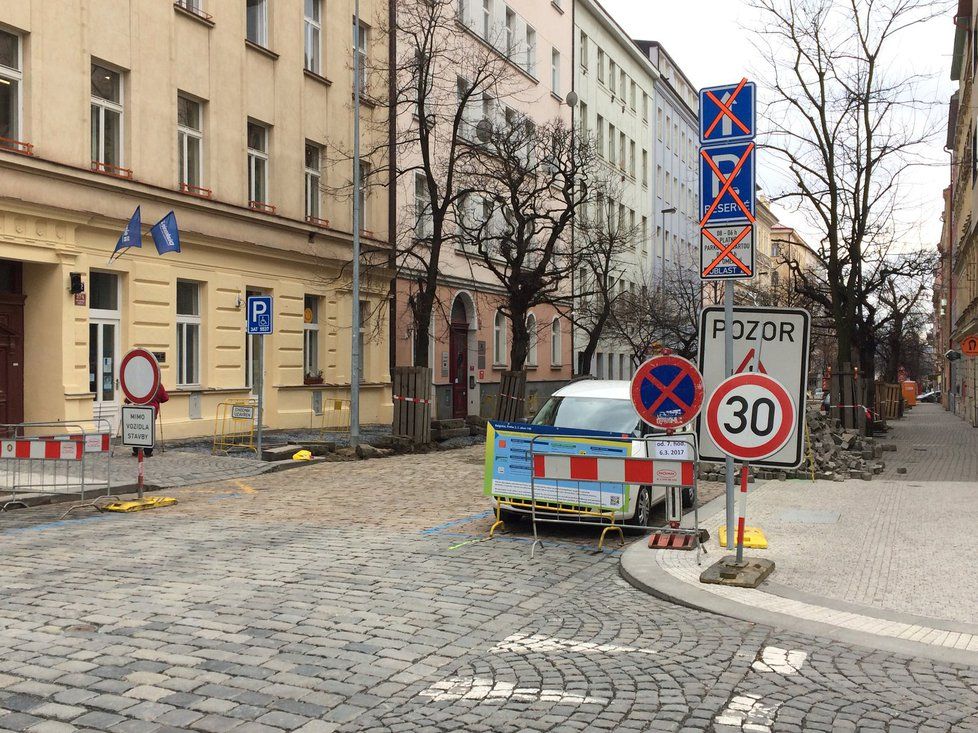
x: 138, y: 505
x: 753, y: 538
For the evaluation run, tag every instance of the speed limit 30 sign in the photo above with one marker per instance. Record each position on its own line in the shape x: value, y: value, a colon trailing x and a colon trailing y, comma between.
x: 750, y: 416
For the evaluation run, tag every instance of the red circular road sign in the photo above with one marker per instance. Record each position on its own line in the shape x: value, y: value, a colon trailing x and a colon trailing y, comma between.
x: 667, y: 392
x: 969, y: 346
x: 139, y: 376
x: 750, y: 416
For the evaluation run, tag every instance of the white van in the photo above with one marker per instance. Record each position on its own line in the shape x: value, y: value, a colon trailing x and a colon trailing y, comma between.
x: 606, y: 405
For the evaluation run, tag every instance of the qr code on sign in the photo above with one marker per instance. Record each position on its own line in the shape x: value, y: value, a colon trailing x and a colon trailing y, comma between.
x: 615, y: 501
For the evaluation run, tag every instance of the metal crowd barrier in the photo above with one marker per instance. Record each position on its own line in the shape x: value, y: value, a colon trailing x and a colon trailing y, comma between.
x: 336, y: 417
x: 234, y: 426
x: 56, y: 458
x: 575, y: 486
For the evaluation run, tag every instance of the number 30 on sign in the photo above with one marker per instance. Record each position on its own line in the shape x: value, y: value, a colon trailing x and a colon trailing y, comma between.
x: 750, y: 416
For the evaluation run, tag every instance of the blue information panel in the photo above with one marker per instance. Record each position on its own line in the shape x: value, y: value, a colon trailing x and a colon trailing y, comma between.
x: 728, y: 113
x: 727, y: 176
x: 260, y: 314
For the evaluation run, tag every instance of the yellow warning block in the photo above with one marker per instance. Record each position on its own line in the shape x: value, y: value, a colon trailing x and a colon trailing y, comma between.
x: 302, y: 455
x: 138, y: 505
x: 753, y: 538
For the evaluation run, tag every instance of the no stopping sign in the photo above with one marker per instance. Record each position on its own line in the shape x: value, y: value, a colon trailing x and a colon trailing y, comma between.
x: 750, y: 416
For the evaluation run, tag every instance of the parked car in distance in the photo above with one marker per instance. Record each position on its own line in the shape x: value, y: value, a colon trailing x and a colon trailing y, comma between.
x: 932, y: 396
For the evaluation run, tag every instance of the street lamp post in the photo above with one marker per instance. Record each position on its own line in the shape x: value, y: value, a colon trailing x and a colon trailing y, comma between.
x: 662, y: 274
x: 357, y: 185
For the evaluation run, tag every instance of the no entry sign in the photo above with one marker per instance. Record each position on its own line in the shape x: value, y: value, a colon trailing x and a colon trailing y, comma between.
x: 750, y: 416
x: 667, y: 392
x: 139, y: 376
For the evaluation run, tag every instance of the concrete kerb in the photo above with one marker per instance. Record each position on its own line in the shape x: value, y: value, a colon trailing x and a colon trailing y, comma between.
x: 636, y: 569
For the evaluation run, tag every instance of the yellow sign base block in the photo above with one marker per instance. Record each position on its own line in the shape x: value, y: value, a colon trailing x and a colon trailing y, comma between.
x: 138, y: 505
x: 753, y: 538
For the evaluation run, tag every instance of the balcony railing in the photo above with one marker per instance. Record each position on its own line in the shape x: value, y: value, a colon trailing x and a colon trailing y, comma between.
x: 315, y: 221
x: 192, y: 8
x: 261, y: 206
x: 198, y: 191
x: 116, y: 171
x: 16, y: 146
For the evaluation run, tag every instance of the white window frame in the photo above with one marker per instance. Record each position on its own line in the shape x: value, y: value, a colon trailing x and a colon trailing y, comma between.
x: 510, y: 33
x: 555, y: 71
x: 312, y: 35
x: 486, y: 27
x: 100, y: 106
x: 362, y: 43
x: 499, y: 339
x: 184, y: 135
x: 313, y: 181
x: 585, y: 52
x: 16, y: 77
x: 261, y: 35
x: 188, y: 328
x: 254, y: 155
x: 422, y: 207
x: 310, y: 339
x: 601, y: 76
x: 532, y: 351
x: 556, y: 348
x: 531, y: 50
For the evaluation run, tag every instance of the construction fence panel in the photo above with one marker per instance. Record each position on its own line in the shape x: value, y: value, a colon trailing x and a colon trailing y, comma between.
x: 234, y: 426
x: 336, y: 417
x: 411, y: 394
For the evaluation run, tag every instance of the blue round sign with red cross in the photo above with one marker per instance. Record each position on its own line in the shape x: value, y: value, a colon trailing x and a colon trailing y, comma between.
x: 667, y: 392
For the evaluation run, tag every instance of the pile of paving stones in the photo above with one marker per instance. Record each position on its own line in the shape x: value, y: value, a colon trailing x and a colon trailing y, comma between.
x: 831, y: 453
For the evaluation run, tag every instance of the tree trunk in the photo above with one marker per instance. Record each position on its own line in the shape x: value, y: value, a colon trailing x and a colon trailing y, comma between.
x: 521, y: 340
x: 594, y: 336
x: 422, y: 309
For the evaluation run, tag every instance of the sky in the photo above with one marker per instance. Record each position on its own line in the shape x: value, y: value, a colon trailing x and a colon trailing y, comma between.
x: 710, y: 41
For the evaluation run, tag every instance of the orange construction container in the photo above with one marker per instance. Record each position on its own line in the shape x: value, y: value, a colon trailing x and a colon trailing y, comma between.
x: 909, y: 393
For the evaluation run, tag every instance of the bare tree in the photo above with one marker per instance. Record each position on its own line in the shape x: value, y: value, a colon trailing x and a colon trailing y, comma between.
x: 442, y: 82
x: 604, y: 239
x: 847, y: 123
x: 526, y: 182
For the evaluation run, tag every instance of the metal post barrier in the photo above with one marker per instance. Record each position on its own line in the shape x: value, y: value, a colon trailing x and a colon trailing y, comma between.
x: 56, y: 458
x: 594, y: 489
x: 234, y: 426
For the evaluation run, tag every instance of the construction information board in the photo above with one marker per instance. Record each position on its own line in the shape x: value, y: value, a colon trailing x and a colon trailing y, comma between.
x: 138, y: 426
x: 509, y: 466
x: 783, y: 337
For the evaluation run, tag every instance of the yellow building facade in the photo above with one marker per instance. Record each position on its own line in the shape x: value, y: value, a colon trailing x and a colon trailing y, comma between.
x: 227, y: 113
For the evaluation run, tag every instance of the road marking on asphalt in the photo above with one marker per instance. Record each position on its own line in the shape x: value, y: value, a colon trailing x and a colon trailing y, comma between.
x: 526, y: 643
x: 780, y: 661
x: 478, y: 688
x: 748, y: 713
x: 245, y: 487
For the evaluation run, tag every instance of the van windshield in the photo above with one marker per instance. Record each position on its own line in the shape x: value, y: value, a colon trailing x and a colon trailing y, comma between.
x: 589, y: 413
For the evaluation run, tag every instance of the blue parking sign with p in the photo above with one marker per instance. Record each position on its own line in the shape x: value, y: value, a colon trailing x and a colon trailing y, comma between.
x: 728, y: 113
x: 260, y: 314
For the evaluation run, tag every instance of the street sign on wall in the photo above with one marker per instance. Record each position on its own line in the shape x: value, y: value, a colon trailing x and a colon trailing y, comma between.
x: 728, y: 113
x: 727, y: 252
x: 782, y: 335
x: 727, y: 182
x: 260, y: 314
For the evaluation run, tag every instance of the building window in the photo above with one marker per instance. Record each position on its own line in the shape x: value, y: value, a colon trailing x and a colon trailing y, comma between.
x: 364, y: 195
x: 612, y: 77
x: 658, y: 122
x: 312, y: 172
x: 422, y: 207
x: 361, y: 54
x: 188, y: 333
x: 257, y: 163
x: 585, y: 52
x: 599, y: 360
x: 510, y: 33
x: 106, y: 116
x: 555, y: 347
x: 645, y: 107
x: 555, y: 71
x: 601, y: 65
x: 612, y: 143
x: 531, y: 50
x: 190, y: 142
x: 362, y: 338
x: 486, y: 18
x: 634, y: 97
x: 310, y: 339
x: 258, y: 22
x: 582, y: 119
x: 531, y: 349
x: 600, y: 138
x: 499, y: 340
x: 631, y: 158
x: 645, y: 233
x: 645, y: 168
x: 11, y: 79
x: 313, y: 36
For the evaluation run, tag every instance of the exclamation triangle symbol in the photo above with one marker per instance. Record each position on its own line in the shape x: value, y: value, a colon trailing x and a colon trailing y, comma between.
x: 747, y: 365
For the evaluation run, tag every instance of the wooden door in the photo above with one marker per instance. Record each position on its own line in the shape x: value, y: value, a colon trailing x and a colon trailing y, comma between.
x: 459, y: 369
x: 11, y: 359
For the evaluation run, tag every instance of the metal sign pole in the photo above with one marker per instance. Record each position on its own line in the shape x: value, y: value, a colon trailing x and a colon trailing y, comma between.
x: 261, y: 389
x: 141, y: 473
x: 357, y: 187
x: 742, y: 519
x: 728, y: 305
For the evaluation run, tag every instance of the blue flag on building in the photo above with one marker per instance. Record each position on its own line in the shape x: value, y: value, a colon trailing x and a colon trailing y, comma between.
x: 166, y: 235
x: 132, y: 235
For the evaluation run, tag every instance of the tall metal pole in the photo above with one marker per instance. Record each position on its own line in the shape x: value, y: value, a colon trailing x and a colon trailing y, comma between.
x: 728, y: 306
x: 662, y: 274
x: 357, y: 187
x: 261, y: 389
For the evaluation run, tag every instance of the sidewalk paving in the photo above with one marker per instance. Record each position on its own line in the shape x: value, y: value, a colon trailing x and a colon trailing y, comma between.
x: 888, y: 557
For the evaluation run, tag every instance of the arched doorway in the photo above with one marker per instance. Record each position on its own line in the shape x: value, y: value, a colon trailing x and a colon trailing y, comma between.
x: 458, y: 348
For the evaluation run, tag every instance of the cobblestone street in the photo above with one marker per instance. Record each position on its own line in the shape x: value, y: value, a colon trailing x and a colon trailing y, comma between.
x: 357, y: 597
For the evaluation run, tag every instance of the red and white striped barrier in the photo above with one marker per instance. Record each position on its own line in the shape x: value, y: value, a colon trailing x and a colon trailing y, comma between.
x: 614, y: 470
x: 417, y: 400
x: 41, y: 449
x: 94, y: 443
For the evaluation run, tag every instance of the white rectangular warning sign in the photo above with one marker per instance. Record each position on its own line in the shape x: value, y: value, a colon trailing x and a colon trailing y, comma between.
x: 138, y: 426
x: 782, y: 335
x: 727, y: 252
